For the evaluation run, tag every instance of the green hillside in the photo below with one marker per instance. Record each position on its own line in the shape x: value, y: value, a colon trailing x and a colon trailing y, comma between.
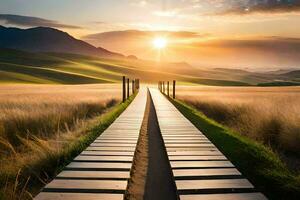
x: 57, y: 68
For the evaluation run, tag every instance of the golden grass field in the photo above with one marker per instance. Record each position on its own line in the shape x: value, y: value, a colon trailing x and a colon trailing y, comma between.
x: 266, y: 114
x: 38, y: 121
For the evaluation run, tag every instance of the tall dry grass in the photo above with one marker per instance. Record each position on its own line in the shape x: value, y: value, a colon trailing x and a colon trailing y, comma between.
x: 37, y: 123
x: 269, y: 115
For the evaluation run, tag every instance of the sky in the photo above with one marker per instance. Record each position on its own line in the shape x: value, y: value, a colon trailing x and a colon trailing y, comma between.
x: 229, y: 33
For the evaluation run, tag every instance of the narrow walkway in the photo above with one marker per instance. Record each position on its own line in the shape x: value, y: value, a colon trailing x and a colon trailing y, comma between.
x: 159, y: 183
x: 200, y: 170
x: 102, y: 170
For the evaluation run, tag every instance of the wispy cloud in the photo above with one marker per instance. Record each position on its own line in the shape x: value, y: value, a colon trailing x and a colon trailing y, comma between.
x: 137, y: 35
x: 139, y: 3
x: 29, y: 21
x: 262, y: 6
x: 230, y: 7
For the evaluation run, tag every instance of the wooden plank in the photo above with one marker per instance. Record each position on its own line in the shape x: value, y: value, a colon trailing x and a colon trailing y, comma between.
x: 183, y: 136
x: 77, y: 196
x: 124, y: 137
x: 118, y: 138
x: 233, y: 196
x: 94, y: 174
x: 100, y: 165
x: 104, y: 158
x: 202, y: 158
x: 100, y: 144
x: 116, y: 141
x: 87, y: 184
x: 213, y: 184
x: 195, y: 153
x: 120, y: 135
x: 108, y: 153
x: 204, y: 172
x: 195, y: 141
x: 169, y: 149
x: 110, y: 148
x: 189, y: 145
x: 187, y: 164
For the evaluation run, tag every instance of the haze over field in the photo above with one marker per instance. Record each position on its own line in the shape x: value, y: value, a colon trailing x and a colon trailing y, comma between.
x: 247, y: 34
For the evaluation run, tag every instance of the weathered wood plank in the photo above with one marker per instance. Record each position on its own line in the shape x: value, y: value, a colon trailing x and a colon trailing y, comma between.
x: 195, y: 153
x: 213, y: 184
x: 188, y: 164
x: 87, y: 184
x: 94, y: 174
x: 77, y: 196
x: 241, y: 196
x: 110, y: 148
x: 104, y: 158
x: 199, y: 158
x: 108, y: 153
x: 189, y: 145
x: 204, y: 172
x: 100, y: 165
x: 100, y: 144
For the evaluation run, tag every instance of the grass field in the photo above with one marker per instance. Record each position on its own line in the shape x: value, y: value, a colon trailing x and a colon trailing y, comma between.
x: 269, y: 115
x: 42, y: 125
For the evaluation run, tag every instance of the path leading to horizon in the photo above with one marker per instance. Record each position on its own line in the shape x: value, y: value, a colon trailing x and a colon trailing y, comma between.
x: 180, y: 160
x: 103, y: 169
x: 199, y: 169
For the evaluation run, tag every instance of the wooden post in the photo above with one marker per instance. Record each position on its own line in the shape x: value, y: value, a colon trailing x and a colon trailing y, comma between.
x: 132, y: 85
x: 163, y: 90
x: 168, y: 89
x: 124, y: 89
x: 127, y: 88
x: 159, y: 86
x: 174, y: 85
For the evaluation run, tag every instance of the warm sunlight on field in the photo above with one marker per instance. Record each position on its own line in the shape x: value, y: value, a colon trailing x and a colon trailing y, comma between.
x: 37, y: 121
x: 266, y: 114
x: 40, y: 109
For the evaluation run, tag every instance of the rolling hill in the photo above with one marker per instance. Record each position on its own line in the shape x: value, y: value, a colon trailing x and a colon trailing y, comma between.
x: 61, y: 68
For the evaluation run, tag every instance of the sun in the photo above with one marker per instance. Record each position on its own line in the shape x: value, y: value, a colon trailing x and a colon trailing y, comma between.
x: 160, y: 43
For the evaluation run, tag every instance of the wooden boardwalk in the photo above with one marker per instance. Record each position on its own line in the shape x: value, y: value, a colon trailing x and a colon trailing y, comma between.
x: 102, y: 170
x: 200, y: 170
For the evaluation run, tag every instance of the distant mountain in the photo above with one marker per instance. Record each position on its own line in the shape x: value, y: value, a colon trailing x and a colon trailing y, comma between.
x: 44, y: 39
x: 292, y: 74
x: 281, y: 71
x: 231, y: 70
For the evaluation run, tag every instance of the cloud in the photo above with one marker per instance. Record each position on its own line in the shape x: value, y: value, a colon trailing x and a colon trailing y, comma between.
x: 29, y: 21
x: 139, y: 3
x: 135, y: 34
x: 232, y: 7
x: 137, y: 37
x: 242, y: 7
x: 256, y: 52
x: 271, y: 44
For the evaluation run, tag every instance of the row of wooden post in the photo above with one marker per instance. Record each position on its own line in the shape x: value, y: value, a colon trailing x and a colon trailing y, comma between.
x: 135, y: 86
x: 166, y: 89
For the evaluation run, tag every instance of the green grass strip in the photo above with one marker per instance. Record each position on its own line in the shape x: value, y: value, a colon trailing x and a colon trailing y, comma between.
x: 256, y: 162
